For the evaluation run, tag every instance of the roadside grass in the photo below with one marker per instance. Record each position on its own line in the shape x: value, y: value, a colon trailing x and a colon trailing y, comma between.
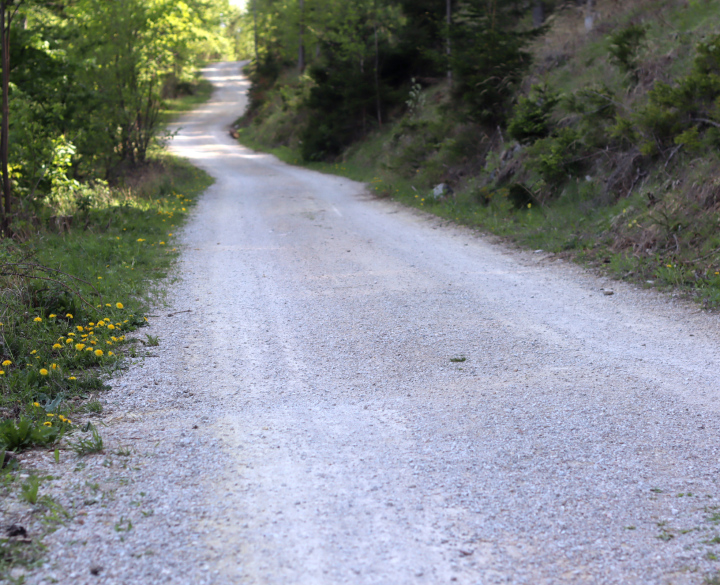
x: 575, y: 226
x: 72, y: 291
x: 70, y: 298
x: 78, y: 285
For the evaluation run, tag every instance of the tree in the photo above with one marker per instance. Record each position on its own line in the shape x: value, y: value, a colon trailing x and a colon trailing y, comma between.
x: 8, y: 11
x: 490, y: 57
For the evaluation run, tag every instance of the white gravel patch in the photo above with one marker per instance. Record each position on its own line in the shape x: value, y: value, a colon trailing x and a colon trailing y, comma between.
x: 337, y: 442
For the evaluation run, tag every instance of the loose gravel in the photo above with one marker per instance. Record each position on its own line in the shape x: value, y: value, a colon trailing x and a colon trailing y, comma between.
x: 360, y: 393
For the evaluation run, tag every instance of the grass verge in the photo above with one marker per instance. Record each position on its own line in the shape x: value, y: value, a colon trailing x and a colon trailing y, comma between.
x: 71, y: 295
x: 573, y: 227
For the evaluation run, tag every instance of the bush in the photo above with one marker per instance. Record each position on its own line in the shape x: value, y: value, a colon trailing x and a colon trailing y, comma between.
x: 25, y: 433
x: 532, y: 116
x: 342, y: 106
x: 557, y: 157
x: 625, y: 45
x: 689, y: 106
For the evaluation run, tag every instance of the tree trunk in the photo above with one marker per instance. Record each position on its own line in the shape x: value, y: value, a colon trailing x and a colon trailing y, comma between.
x: 256, y: 30
x: 301, y: 51
x: 448, y: 47
x: 589, y: 15
x: 5, y: 130
x: 538, y: 13
x: 377, y: 77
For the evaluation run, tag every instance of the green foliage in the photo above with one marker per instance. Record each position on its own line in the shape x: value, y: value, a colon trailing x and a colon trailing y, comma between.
x: 532, y: 116
x: 686, y: 112
x: 489, y: 59
x: 109, y: 262
x: 556, y: 158
x: 26, y: 432
x: 88, y: 82
x: 340, y: 106
x: 416, y: 98
x: 624, y: 46
x: 29, y: 490
x: 88, y: 445
x: 520, y: 196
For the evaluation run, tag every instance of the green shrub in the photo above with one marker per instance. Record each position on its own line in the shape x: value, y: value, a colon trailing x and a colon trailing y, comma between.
x: 93, y: 444
x: 489, y: 64
x: 624, y: 47
x: 557, y: 157
x: 686, y: 112
x: 532, y: 116
x: 26, y: 433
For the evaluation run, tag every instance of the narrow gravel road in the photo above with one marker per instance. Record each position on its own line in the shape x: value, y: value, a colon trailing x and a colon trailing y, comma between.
x: 383, y: 399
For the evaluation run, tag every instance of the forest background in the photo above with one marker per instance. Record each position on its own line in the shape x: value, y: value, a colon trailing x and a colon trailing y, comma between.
x: 90, y: 205
x: 585, y: 128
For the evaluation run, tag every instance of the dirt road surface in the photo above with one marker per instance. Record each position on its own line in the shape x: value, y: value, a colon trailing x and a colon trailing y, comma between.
x: 361, y: 394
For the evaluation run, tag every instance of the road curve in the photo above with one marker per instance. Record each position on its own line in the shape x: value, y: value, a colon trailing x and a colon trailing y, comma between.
x: 402, y: 401
x: 366, y: 455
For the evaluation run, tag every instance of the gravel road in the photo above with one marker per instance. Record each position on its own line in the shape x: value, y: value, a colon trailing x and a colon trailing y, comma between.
x: 363, y: 394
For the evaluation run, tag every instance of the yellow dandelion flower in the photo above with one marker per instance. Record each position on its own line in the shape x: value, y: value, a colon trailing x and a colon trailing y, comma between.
x: 36, y: 404
x: 111, y: 326
x: 37, y: 319
x: 52, y: 316
x: 119, y: 305
x: 108, y: 305
x: 50, y: 414
x: 80, y: 328
x: 33, y: 352
x: 88, y: 349
x: 99, y: 278
x: 110, y: 353
x: 47, y: 423
x: 141, y: 239
x: 71, y: 334
x: 2, y: 372
x: 43, y: 372
x: 68, y: 421
x: 79, y: 346
x: 91, y: 324
x: 99, y: 352
x: 109, y: 342
x: 68, y: 340
x: 57, y: 346
x: 101, y: 324
x: 72, y: 378
x: 7, y: 363
x: 69, y: 315
x: 54, y: 366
